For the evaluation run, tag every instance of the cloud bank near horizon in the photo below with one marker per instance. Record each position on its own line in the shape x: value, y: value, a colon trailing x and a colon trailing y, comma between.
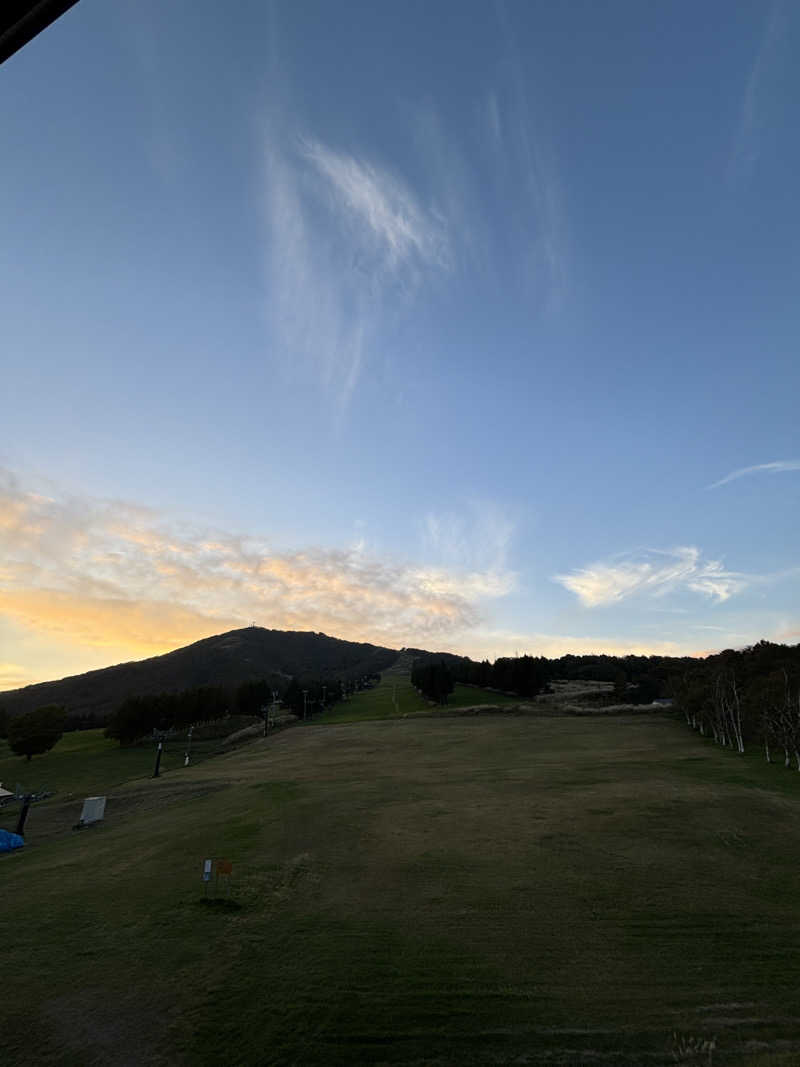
x: 111, y: 575
x: 86, y: 582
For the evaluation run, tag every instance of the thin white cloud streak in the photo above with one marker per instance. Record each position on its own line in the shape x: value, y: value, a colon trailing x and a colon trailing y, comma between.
x: 505, y: 158
x: 777, y: 467
x: 141, y: 32
x: 655, y: 573
x: 109, y: 574
x: 455, y: 192
x: 752, y: 119
x: 317, y: 324
x: 516, y: 127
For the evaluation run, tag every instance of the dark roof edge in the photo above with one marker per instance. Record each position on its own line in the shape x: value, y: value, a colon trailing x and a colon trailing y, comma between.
x: 20, y: 22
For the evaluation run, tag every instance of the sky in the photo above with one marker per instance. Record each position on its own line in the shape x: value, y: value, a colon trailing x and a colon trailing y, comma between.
x: 465, y: 326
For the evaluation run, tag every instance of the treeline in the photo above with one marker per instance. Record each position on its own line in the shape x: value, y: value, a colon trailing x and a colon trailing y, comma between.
x: 436, y: 675
x: 433, y: 678
x: 138, y: 716
x: 636, y: 679
x: 656, y: 670
x: 524, y: 675
x: 745, y: 697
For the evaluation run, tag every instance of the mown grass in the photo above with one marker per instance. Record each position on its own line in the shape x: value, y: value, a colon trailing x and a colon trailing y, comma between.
x: 453, y: 891
x: 395, y: 697
x: 87, y: 761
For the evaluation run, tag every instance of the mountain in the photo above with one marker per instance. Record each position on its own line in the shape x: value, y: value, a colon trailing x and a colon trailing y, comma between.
x: 227, y: 660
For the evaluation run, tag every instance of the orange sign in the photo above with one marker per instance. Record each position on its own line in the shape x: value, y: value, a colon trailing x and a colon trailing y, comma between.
x: 224, y: 867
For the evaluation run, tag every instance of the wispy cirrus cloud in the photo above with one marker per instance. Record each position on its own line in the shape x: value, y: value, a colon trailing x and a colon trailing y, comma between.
x: 349, y: 247
x: 354, y: 243
x: 474, y: 542
x: 776, y: 467
x: 516, y: 133
x: 756, y: 102
x: 383, y: 208
x: 111, y: 575
x: 653, y: 572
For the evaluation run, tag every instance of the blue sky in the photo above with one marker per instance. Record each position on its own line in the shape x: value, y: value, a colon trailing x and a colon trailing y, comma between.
x: 446, y: 325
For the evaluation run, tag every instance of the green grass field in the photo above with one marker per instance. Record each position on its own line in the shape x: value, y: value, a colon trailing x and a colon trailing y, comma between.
x: 395, y: 697
x: 416, y: 891
x: 88, y: 761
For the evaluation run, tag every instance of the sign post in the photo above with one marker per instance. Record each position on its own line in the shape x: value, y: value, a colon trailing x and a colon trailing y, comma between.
x: 225, y: 868
x: 158, y: 758
x: 217, y: 868
x: 26, y: 803
x: 207, y: 864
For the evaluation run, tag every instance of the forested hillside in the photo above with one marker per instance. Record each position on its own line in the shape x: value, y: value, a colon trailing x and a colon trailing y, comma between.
x: 746, y: 696
x: 226, y: 660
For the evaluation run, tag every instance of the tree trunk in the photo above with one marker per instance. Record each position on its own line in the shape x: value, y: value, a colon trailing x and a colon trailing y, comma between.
x: 766, y: 750
x: 28, y: 758
x: 736, y: 716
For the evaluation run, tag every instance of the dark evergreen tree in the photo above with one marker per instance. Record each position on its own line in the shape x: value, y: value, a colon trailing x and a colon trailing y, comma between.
x: 293, y: 697
x: 252, y: 696
x: 36, y: 731
x: 433, y: 678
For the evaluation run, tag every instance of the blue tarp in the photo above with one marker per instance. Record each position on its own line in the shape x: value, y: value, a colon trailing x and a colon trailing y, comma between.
x: 9, y: 841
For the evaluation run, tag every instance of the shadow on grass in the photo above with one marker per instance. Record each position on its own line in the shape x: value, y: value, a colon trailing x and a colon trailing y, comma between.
x: 218, y: 904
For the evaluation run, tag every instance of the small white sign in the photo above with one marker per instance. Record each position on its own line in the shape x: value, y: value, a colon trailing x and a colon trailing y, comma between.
x: 207, y: 870
x: 94, y: 808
